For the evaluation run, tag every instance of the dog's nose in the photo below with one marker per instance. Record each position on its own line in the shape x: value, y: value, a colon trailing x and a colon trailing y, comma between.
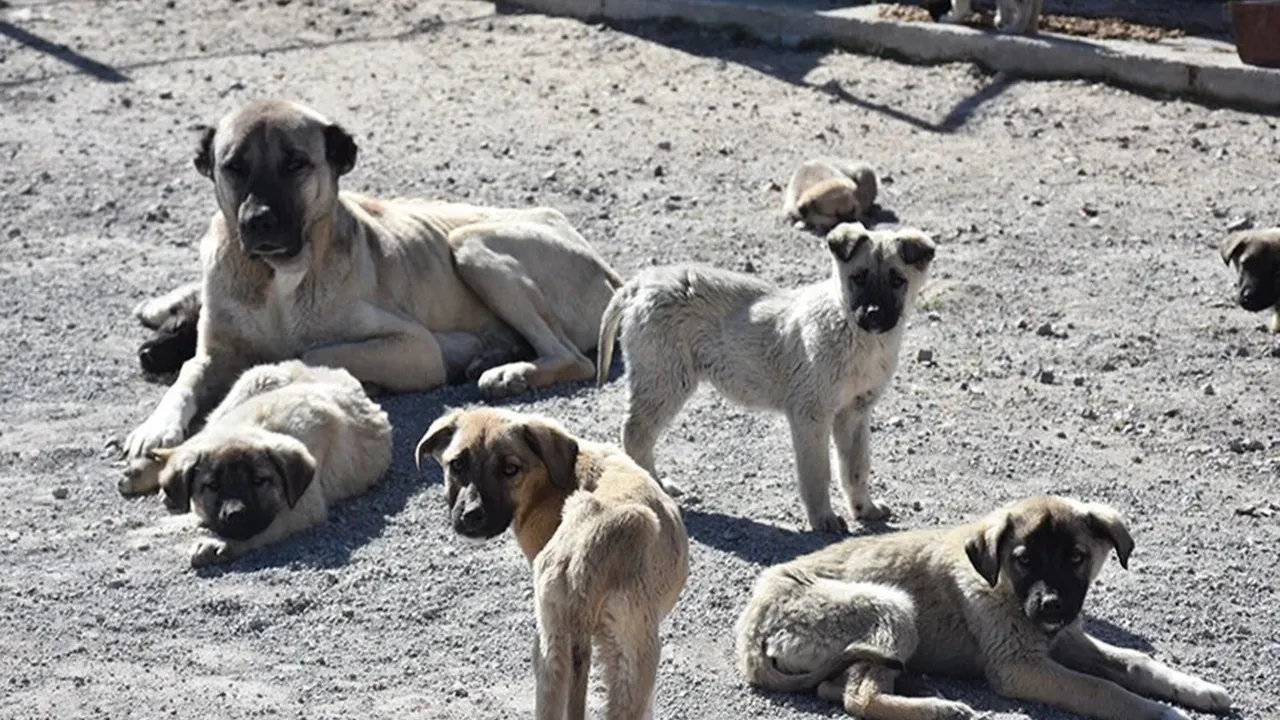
x: 262, y: 219
x: 1051, y: 604
x: 473, y: 517
x: 231, y: 511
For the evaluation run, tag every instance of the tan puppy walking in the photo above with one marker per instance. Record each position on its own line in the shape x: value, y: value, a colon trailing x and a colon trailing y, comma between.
x: 1000, y: 598
x: 608, y: 548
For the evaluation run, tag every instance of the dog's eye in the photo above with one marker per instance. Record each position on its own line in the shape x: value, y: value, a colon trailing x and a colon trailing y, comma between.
x: 213, y: 486
x: 859, y: 278
x: 1022, y: 557
x: 259, y: 481
x: 510, y: 470
x: 234, y: 167
x: 1076, y: 557
x: 297, y: 163
x: 897, y: 280
x: 458, y: 465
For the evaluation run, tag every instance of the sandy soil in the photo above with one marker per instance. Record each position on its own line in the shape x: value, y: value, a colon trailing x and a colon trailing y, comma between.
x: 1076, y: 206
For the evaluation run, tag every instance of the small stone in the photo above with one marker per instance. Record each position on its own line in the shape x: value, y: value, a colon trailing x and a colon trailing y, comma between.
x: 664, y: 145
x: 1172, y: 413
x: 1243, y: 445
x: 549, y: 175
x: 924, y: 356
x: 1243, y: 223
x: 659, y: 171
x: 459, y: 690
x: 1208, y: 390
x: 749, y: 267
x: 1137, y: 459
x: 917, y: 505
x: 896, y: 421
x: 934, y: 316
x: 1023, y: 323
x: 1078, y: 381
x: 1088, y: 210
x: 13, y: 536
x: 61, y: 493
x: 1108, y: 366
x: 166, y: 95
x: 1045, y: 377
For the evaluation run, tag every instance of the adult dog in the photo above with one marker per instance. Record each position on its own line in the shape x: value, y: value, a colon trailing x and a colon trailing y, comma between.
x: 824, y: 193
x: 608, y: 548
x: 1256, y: 255
x: 405, y: 294
x: 822, y: 354
x: 999, y: 598
x: 287, y: 442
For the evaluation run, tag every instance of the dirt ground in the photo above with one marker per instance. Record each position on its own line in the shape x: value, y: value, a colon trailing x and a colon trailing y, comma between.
x: 1081, y: 324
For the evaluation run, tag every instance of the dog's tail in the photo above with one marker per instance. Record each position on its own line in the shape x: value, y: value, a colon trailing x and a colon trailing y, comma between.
x: 609, y: 323
x: 769, y: 675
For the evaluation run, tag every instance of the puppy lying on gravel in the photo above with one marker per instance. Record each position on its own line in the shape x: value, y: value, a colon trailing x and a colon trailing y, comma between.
x: 825, y: 193
x: 822, y: 354
x: 1000, y: 598
x: 288, y: 441
x: 609, y: 550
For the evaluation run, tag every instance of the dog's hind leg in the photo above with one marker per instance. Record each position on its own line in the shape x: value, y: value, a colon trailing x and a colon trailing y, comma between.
x: 630, y: 660
x: 660, y: 384
x: 866, y: 691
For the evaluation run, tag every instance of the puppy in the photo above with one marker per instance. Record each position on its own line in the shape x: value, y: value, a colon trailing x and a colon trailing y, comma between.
x: 174, y: 316
x: 1000, y: 599
x: 822, y: 354
x: 1256, y: 254
x: 608, y: 548
x: 288, y: 441
x: 1021, y: 17
x: 824, y: 193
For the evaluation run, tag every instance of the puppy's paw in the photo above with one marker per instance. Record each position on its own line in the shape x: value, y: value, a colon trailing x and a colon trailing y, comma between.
x: 155, y: 433
x: 872, y: 510
x: 951, y: 710
x: 830, y: 523
x: 506, y: 380
x: 1173, y: 713
x: 210, y: 551
x: 141, y: 476
x: 152, y: 312
x: 672, y: 488
x: 1205, y: 696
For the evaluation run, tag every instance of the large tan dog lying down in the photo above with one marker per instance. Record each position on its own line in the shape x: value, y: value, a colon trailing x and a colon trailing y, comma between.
x: 287, y: 443
x: 404, y: 294
x: 1000, y: 598
x: 608, y: 548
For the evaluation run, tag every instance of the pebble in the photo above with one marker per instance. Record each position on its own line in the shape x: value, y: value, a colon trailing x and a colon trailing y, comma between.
x: 1244, y: 445
x: 1208, y: 390
x: 1046, y: 377
x: 917, y: 505
x: 61, y: 493
x: 924, y: 356
x: 1243, y: 223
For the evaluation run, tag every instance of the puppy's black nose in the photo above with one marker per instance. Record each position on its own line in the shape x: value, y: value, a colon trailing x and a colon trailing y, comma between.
x: 472, y: 518
x: 1051, y: 604
x: 231, y: 511
x: 262, y: 219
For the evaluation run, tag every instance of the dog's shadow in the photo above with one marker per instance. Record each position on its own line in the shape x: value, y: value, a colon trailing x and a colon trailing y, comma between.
x: 759, y: 543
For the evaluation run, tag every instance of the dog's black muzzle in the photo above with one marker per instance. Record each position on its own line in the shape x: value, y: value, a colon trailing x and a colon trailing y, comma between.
x: 238, y: 520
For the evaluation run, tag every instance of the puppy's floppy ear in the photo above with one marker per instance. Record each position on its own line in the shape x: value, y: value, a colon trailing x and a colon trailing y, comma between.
x: 558, y: 451
x: 985, y: 545
x: 1107, y: 524
x: 436, y: 438
x: 1232, y: 245
x: 296, y: 468
x: 176, y: 477
x: 916, y: 249
x: 339, y: 149
x: 845, y: 239
x: 204, y: 151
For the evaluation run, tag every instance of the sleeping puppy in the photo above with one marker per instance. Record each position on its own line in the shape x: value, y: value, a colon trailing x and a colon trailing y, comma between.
x: 608, y: 548
x: 288, y: 441
x: 1000, y: 598
x: 824, y: 193
x: 1256, y: 255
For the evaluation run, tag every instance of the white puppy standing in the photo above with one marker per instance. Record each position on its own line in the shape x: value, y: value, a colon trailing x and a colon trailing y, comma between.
x: 821, y: 354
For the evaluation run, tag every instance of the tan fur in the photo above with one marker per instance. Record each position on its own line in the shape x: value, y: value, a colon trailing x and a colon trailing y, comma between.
x: 405, y: 294
x: 318, y: 420
x: 920, y: 600
x: 824, y: 193
x: 608, y: 549
x: 1248, y: 246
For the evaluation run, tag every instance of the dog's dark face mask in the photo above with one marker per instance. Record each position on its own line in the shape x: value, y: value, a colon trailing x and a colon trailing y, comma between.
x: 880, y: 273
x: 1256, y: 255
x: 1049, y: 558
x: 238, y: 490
x: 275, y: 169
x: 479, y: 493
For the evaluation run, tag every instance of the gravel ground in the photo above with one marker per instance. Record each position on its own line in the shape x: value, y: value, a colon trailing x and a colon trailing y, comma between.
x: 1081, y: 325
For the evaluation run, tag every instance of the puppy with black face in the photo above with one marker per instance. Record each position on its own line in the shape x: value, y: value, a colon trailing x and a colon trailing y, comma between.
x: 287, y: 442
x: 1256, y: 256
x: 598, y: 533
x: 999, y: 599
x: 820, y: 354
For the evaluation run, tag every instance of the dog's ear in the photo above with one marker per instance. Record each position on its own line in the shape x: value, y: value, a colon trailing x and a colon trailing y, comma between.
x: 985, y: 545
x: 916, y: 249
x: 1232, y: 245
x: 204, y: 151
x: 845, y: 239
x: 176, y: 477
x: 558, y: 451
x: 1107, y: 524
x: 296, y: 469
x: 436, y: 438
x: 339, y: 149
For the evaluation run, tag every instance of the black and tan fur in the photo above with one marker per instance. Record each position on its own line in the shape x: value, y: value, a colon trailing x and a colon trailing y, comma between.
x: 821, y: 354
x: 404, y: 294
x: 607, y: 546
x: 999, y: 599
x: 287, y: 442
x: 1256, y: 257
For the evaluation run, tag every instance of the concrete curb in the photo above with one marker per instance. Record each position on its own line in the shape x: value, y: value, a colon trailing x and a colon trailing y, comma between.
x: 1201, y: 69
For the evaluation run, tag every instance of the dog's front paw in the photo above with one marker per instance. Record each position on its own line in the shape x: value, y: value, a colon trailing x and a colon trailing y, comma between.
x: 872, y: 510
x: 210, y: 551
x: 1206, y: 697
x: 506, y: 380
x: 141, y: 476
x: 829, y: 523
x: 151, y: 312
x: 951, y: 710
x: 672, y: 488
x: 155, y: 433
